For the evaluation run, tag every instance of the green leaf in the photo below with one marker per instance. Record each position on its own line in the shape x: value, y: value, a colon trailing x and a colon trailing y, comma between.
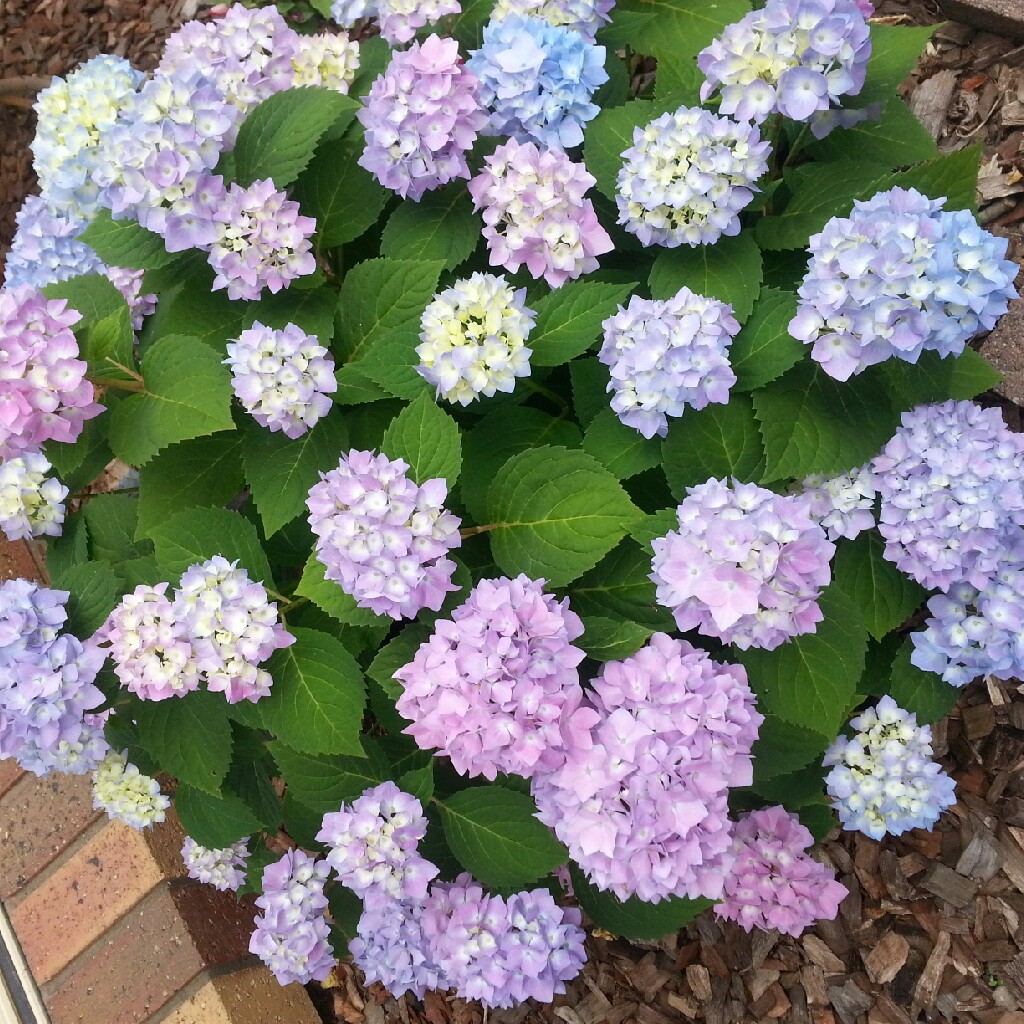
x: 895, y: 140
x: 609, y: 135
x: 729, y: 270
x: 620, y: 587
x: 329, y: 597
x: 428, y: 439
x: 280, y: 471
x: 934, y: 379
x: 392, y: 366
x: 71, y: 548
x: 497, y: 838
x: 812, y: 679
x: 91, y: 295
x: 612, y: 639
x: 894, y: 53
x: 716, y: 441
x: 278, y: 137
x: 112, y: 520
x: 211, y: 821
x: 558, y: 513
x: 764, y: 349
x: 419, y: 782
x: 677, y: 81
x: 923, y: 693
x: 633, y: 918
x: 355, y: 388
x: 108, y: 345
x: 952, y: 176
x: 316, y: 705
x: 589, y: 378
x: 441, y: 226
x: 189, y: 736
x: 569, y: 319
x: 124, y: 243
x: 619, y: 448
x: 677, y: 28
x: 311, y: 310
x: 323, y: 782
x: 188, y: 394
x: 196, y: 535
x: 782, y: 748
x: 396, y: 653
x: 885, y: 596
x: 94, y: 593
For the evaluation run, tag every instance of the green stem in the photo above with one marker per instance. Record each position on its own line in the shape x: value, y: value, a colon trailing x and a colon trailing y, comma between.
x: 546, y: 392
x: 113, y: 384
x: 297, y: 603
x: 472, y: 531
x: 796, y: 147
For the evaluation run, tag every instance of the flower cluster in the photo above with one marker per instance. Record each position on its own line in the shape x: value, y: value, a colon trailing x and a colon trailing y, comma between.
x: 31, y: 505
x: 328, y: 60
x: 383, y: 538
x: 537, y: 80
x: 773, y: 883
x: 687, y: 176
x: 125, y: 794
x: 73, y: 116
x: 390, y: 948
x: 374, y: 845
x: 843, y: 504
x: 951, y: 483
x: 745, y: 566
x: 292, y: 935
x: 974, y: 632
x: 284, y: 379
x: 884, y: 780
x: 421, y: 117
x: 584, y: 16
x: 496, y: 687
x: 472, y: 339
x: 794, y: 57
x: 642, y: 805
x: 665, y: 355
x: 535, y: 213
x: 898, y: 277
x: 30, y: 619
x: 400, y: 19
x: 223, y: 869
x: 129, y: 284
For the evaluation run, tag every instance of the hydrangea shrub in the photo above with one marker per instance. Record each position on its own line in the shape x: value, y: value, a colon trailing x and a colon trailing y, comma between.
x: 552, y: 489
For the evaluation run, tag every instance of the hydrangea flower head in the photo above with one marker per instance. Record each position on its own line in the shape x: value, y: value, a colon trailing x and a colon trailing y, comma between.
x: 898, y: 277
x: 496, y: 687
x: 746, y: 566
x: 31, y: 617
x: 537, y: 80
x: 284, y: 379
x: 381, y: 537
x: 421, y: 118
x: 643, y: 806
x: 328, y: 60
x: 584, y: 16
x: 399, y: 20
x: 31, y: 504
x: 687, y: 176
x: 224, y: 869
x: 664, y: 355
x: 883, y: 779
x: 44, y: 395
x: 348, y: 12
x: 472, y: 339
x: 951, y: 483
x: 794, y: 57
x: 843, y: 504
x: 535, y: 213
x: 773, y: 883
x: 391, y: 948
x: 125, y: 794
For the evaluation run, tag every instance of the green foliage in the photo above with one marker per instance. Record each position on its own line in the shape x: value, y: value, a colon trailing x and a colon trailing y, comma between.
x: 323, y: 782
x: 764, y: 349
x: 612, y: 639
x: 619, y: 448
x: 923, y: 693
x: 93, y: 589
x: 441, y: 226
x: 329, y: 597
x: 123, y: 243
x: 427, y: 438
x: 609, y: 135
x: 569, y: 319
x: 677, y: 28
x: 213, y: 821
x: 620, y: 587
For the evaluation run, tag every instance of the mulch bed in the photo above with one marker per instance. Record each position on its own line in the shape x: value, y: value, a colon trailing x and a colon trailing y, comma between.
x: 934, y: 927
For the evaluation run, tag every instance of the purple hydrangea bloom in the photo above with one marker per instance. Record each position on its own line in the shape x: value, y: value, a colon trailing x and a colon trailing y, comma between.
x: 951, y: 483
x: 284, y: 379
x: 121, y: 791
x: 535, y: 213
x: 537, y: 80
x: 292, y: 935
x: 843, y: 504
x: 400, y: 19
x: 746, y: 566
x: 31, y: 617
x: 44, y: 395
x: 31, y: 504
x: 773, y: 883
x: 794, y: 57
x: 642, y: 806
x: 884, y: 780
x: 899, y: 277
x: 496, y: 687
x: 421, y: 118
x: 129, y: 284
x: 224, y: 869
x: 687, y: 176
x: 381, y: 537
x: 666, y: 354
x: 391, y: 948
x: 584, y: 16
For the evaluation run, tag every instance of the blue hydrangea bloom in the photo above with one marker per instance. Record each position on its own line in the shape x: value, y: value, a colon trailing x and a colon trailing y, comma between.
x: 45, y: 248
x: 585, y: 16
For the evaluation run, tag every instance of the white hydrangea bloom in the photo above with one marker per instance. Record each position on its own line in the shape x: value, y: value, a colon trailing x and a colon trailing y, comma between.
x: 30, y: 504
x: 125, y: 794
x: 327, y: 60
x: 224, y: 869
x: 843, y: 504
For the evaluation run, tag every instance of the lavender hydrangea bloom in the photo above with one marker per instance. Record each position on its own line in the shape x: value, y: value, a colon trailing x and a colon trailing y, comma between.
x: 348, y: 12
x: 292, y: 935
x: 538, y: 80
x: 44, y: 395
x: 496, y: 687
x: 421, y: 118
x: 899, y: 277
x: 773, y: 883
x: 381, y: 537
x: 951, y: 483
x: 535, y: 213
x: 31, y: 505
x: 843, y: 504
x: 224, y: 869
x: 472, y: 339
x: 793, y: 57
x: 391, y: 948
x: 126, y: 795
x: 284, y: 379
x: 665, y: 355
x: 883, y: 780
x: 373, y: 845
x: 31, y: 618
x: 129, y: 284
x: 642, y: 805
x: 687, y: 176
x: 583, y: 16
x: 400, y: 19
x: 746, y: 566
